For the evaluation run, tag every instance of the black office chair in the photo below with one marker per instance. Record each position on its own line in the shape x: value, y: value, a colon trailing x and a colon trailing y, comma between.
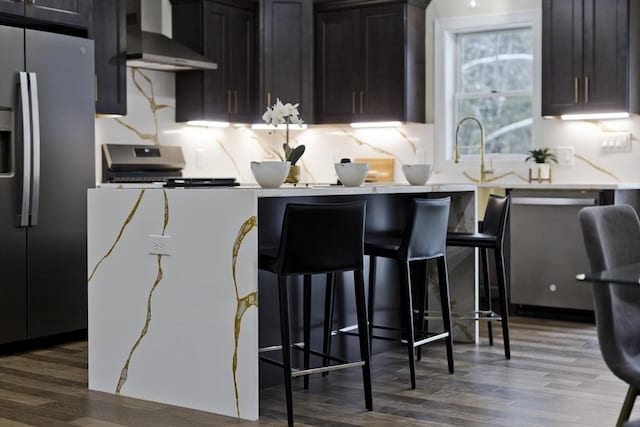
x: 423, y: 239
x: 318, y: 239
x: 612, y: 238
x: 491, y: 236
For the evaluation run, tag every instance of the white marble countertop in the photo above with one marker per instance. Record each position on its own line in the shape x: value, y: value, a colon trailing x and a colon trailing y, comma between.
x: 556, y: 186
x: 289, y: 190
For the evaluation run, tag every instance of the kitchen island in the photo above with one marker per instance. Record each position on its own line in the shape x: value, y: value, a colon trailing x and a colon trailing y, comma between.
x: 173, y: 284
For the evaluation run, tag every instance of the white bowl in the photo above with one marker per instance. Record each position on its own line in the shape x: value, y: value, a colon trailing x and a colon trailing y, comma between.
x: 417, y: 174
x: 270, y: 174
x: 352, y: 174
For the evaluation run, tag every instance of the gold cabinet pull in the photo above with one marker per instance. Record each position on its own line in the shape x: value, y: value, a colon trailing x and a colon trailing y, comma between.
x: 361, y: 101
x: 229, y: 101
x: 235, y: 95
x: 586, y: 89
x: 576, y: 90
x: 353, y: 102
x: 268, y: 99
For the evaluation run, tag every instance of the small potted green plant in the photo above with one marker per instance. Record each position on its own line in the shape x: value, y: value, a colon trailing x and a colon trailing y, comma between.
x: 286, y: 114
x: 542, y: 157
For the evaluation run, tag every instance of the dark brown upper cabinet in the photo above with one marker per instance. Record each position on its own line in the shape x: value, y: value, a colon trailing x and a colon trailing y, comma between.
x: 73, y: 13
x: 109, y: 32
x: 286, y: 44
x: 224, y: 32
x: 589, y: 56
x: 370, y: 61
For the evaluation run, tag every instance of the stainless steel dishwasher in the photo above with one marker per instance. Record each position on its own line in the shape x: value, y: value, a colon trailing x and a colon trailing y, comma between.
x: 547, y: 250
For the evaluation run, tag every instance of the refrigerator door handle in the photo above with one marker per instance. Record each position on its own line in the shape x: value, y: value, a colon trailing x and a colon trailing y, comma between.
x: 26, y: 150
x: 35, y: 120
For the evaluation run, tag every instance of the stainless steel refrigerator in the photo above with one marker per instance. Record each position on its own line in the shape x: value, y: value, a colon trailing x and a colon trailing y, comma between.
x: 46, y: 165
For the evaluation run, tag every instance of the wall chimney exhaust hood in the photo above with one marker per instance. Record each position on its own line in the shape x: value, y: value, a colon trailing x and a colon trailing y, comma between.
x: 155, y: 51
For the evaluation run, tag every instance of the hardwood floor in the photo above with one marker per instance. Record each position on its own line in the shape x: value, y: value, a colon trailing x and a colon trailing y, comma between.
x: 556, y: 377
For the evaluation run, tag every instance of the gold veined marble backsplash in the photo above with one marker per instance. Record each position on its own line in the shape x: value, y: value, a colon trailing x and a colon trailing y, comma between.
x: 228, y: 152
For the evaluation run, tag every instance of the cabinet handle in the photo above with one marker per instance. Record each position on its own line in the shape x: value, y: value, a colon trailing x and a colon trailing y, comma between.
x: 235, y: 95
x: 586, y: 90
x: 268, y: 99
x: 95, y: 87
x: 576, y: 90
x: 353, y: 102
x: 229, y: 101
x: 361, y: 101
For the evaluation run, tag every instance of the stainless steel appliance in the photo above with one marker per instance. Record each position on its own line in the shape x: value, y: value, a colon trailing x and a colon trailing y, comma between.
x: 46, y: 165
x: 547, y: 250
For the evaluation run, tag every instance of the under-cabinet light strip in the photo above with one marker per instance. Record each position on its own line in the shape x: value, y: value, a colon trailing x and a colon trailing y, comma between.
x: 595, y: 116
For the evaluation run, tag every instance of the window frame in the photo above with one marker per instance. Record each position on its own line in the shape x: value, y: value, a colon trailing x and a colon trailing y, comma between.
x: 446, y: 74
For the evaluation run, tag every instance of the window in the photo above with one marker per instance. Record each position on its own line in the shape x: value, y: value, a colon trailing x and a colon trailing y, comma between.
x: 494, y: 84
x: 487, y: 67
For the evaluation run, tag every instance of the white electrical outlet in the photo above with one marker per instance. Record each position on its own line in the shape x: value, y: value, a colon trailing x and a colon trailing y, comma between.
x: 616, y: 142
x: 565, y: 155
x: 159, y: 245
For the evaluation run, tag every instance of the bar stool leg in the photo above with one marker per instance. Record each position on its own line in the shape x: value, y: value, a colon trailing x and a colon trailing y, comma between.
x: 408, y: 314
x: 371, y: 297
x: 422, y: 279
x: 363, y: 337
x: 484, y: 257
x: 504, y: 308
x: 445, y: 301
x: 307, y: 325
x: 286, y: 344
x: 329, y: 298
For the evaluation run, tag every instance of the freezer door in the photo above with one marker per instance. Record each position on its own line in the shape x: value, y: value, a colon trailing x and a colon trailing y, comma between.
x: 13, y: 293
x: 57, y: 275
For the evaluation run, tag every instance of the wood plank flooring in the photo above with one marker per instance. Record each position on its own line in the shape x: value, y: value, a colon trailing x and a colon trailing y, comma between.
x: 556, y: 377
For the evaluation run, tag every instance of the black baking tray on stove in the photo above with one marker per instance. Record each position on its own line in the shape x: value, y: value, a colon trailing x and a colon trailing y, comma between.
x: 200, y: 182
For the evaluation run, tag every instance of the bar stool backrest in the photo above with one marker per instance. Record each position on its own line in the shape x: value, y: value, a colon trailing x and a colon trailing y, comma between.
x: 495, y: 217
x: 322, y: 238
x: 426, y: 235
x: 612, y: 238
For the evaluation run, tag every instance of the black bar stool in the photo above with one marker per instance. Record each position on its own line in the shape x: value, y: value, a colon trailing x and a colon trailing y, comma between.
x: 491, y: 236
x: 423, y: 239
x: 318, y: 239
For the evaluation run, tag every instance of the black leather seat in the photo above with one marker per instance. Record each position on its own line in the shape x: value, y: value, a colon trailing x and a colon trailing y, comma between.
x: 319, y: 239
x: 612, y: 239
x: 423, y: 239
x: 491, y: 236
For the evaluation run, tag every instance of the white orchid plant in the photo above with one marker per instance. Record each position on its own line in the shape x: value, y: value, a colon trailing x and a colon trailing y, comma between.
x: 285, y: 114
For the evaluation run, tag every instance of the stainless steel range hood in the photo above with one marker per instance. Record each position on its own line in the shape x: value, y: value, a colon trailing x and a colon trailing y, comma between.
x: 155, y: 51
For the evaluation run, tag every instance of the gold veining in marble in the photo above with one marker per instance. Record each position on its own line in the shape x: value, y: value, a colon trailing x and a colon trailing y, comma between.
x: 153, y: 105
x: 233, y: 161
x: 242, y: 304
x: 495, y: 178
x: 373, y: 147
x: 596, y: 167
x: 145, y: 329
x: 119, y: 235
x: 408, y: 140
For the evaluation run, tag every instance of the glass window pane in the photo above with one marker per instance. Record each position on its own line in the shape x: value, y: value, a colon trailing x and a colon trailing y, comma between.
x: 515, y: 59
x: 507, y: 123
x: 477, y: 62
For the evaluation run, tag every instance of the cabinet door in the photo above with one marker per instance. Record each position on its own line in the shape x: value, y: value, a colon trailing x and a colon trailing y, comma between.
x: 287, y: 54
x: 562, y: 57
x: 216, y: 101
x: 240, y: 64
x: 109, y: 32
x: 606, y: 62
x: 381, y: 89
x: 337, y: 66
x: 12, y: 7
x: 76, y: 13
